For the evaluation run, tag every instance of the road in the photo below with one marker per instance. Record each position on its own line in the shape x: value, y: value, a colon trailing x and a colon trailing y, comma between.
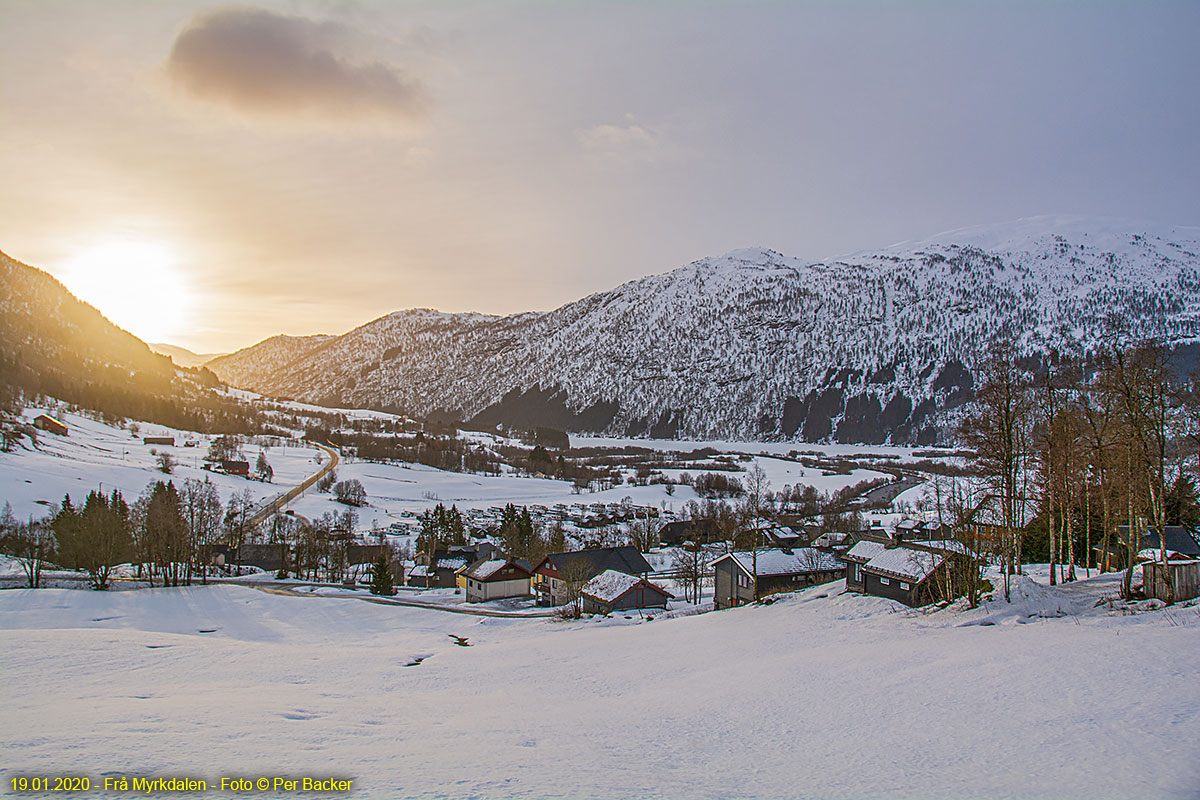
x: 882, y: 496
x: 280, y: 502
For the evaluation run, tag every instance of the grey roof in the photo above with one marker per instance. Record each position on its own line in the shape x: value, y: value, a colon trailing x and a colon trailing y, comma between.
x: 905, y: 563
x: 864, y: 551
x: 625, y: 559
x: 1179, y: 539
x: 797, y: 561
x: 610, y: 585
x: 484, y: 569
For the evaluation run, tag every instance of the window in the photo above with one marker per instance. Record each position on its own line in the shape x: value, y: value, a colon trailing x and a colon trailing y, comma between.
x: 857, y: 572
x: 903, y: 585
x: 884, y: 581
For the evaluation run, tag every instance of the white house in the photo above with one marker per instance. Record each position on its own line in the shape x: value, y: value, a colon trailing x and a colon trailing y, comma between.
x: 495, y: 579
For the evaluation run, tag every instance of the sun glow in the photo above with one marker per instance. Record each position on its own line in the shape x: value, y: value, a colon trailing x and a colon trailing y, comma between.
x: 136, y: 284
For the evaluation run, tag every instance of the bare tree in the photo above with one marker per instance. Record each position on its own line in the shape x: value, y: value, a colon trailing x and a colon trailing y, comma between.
x: 200, y: 504
x: 998, y: 429
x: 574, y: 576
x: 31, y: 543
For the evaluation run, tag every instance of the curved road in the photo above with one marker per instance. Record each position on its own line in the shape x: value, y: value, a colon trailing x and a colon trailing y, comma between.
x: 280, y: 502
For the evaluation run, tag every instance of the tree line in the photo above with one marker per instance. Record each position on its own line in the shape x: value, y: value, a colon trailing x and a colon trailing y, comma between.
x: 1072, y: 447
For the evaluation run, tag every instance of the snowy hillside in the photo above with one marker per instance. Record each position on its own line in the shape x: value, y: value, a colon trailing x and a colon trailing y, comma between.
x: 824, y: 695
x: 242, y: 368
x: 34, y: 480
x: 871, y: 347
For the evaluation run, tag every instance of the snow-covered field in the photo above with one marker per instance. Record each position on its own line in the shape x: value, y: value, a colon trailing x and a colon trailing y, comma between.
x: 818, y: 695
x: 900, y: 454
x: 95, y: 455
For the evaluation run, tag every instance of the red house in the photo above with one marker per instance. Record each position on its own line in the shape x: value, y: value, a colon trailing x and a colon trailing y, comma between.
x: 49, y: 424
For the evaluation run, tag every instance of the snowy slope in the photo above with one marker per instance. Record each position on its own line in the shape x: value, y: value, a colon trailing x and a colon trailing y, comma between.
x: 872, y: 347
x: 818, y: 696
x: 34, y: 480
x: 242, y: 368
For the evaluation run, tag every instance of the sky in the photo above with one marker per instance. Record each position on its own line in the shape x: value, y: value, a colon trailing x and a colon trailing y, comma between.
x: 212, y: 174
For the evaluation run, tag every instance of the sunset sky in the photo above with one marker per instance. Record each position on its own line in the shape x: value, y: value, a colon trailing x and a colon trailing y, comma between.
x: 211, y: 174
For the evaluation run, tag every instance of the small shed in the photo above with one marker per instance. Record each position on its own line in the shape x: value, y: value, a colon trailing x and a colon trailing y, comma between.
x: 418, y: 576
x: 49, y: 424
x: 497, y: 579
x: 616, y: 591
x: 236, y: 467
x: 1184, y: 576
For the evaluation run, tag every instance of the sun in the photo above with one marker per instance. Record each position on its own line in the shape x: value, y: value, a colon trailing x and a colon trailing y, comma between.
x: 136, y: 284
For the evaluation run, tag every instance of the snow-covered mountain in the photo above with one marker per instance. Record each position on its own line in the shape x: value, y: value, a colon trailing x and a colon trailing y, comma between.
x: 246, y: 367
x: 870, y: 347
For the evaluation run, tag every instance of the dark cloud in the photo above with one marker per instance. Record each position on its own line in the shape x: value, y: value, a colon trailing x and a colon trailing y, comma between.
x: 262, y: 62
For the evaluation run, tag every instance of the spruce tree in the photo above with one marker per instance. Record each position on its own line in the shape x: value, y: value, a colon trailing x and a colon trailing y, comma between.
x: 381, y: 575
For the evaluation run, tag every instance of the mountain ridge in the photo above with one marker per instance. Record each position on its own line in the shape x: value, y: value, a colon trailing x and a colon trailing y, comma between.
x: 880, y: 346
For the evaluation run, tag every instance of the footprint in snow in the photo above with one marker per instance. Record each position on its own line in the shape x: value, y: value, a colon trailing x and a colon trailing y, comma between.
x: 105, y: 619
x: 299, y: 715
x: 207, y: 630
x: 461, y: 641
x: 417, y: 660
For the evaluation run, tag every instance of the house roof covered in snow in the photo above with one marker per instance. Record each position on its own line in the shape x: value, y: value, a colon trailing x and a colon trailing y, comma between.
x: 610, y: 585
x: 489, y: 569
x: 864, y: 551
x: 796, y: 561
x: 454, y: 564
x: 906, y: 563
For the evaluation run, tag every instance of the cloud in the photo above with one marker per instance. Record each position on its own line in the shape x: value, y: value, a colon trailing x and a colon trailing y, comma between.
x: 260, y: 62
x: 608, y: 138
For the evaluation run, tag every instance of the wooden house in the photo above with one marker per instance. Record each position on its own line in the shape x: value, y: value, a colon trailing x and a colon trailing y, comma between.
x: 903, y: 573
x: 555, y: 575
x: 744, y: 577
x: 440, y: 572
x: 497, y: 579
x: 699, y: 531
x: 49, y: 424
x: 858, y: 555
x: 616, y: 591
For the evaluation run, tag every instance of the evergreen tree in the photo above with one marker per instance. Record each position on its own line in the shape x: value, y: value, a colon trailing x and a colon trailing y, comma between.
x: 381, y: 575
x: 97, y: 538
x: 262, y: 468
x: 455, y: 528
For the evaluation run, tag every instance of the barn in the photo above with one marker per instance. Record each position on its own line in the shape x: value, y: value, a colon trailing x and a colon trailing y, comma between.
x: 49, y: 424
